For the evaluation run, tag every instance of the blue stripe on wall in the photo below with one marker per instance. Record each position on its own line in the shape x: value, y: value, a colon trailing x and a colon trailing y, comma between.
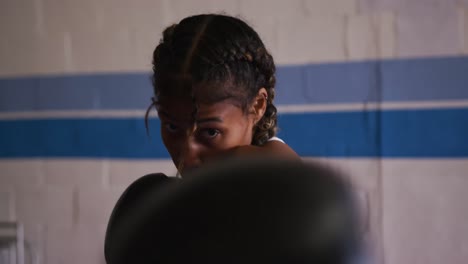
x: 78, y: 92
x: 401, y: 133
x: 124, y: 138
x: 424, y: 79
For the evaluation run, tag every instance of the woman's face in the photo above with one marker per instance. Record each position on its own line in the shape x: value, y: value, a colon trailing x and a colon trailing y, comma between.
x: 192, y: 141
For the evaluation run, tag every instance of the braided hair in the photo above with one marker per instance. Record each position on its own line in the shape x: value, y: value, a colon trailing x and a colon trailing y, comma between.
x: 223, y: 58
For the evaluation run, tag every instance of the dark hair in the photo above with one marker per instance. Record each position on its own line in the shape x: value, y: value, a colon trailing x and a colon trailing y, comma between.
x: 220, y: 56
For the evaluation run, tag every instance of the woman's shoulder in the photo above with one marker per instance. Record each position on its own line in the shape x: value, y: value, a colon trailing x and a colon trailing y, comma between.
x: 276, y: 139
x: 277, y: 146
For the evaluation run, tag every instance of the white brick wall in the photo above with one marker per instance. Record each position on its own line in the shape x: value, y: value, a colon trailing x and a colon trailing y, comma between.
x: 303, y: 39
x: 65, y: 204
x: 366, y: 177
x: 425, y: 213
x: 83, y: 244
x: 386, y: 35
x: 21, y: 173
x: 178, y: 9
x: 9, y: 12
x: 316, y: 7
x: 371, y: 36
x: 6, y: 204
x: 263, y: 9
x: 366, y: 6
x: 93, y: 51
x: 463, y: 19
x: 428, y: 31
x: 35, y: 237
x: 55, y: 36
x: 122, y: 173
x: 61, y: 16
x: 28, y: 54
x: 74, y: 173
x: 94, y: 205
x: 45, y: 205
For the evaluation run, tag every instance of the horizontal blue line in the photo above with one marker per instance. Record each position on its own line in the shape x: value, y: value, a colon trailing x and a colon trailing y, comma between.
x: 426, y: 79
x: 392, y: 133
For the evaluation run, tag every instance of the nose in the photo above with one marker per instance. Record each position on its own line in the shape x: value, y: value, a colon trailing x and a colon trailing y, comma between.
x: 190, y: 155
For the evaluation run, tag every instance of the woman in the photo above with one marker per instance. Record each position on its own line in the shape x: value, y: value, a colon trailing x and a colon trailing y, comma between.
x: 214, y: 86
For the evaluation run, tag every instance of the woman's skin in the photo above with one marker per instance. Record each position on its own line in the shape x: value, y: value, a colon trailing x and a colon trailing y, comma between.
x: 218, y: 130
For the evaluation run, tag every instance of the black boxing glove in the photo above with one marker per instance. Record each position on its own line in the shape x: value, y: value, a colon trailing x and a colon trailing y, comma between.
x: 130, y: 205
x: 256, y: 211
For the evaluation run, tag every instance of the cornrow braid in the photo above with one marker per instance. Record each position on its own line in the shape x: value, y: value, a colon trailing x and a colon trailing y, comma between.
x: 265, y: 67
x: 162, y: 49
x: 267, y: 126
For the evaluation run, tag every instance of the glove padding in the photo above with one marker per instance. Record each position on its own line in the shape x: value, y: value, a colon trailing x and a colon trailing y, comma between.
x: 256, y: 211
x: 127, y: 208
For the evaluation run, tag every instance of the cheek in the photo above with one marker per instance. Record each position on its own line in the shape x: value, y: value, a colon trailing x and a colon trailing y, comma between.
x: 241, y: 132
x: 248, y: 124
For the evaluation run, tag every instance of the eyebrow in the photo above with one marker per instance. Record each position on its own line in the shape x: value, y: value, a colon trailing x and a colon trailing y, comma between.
x: 202, y: 120
x: 164, y: 113
x: 210, y: 119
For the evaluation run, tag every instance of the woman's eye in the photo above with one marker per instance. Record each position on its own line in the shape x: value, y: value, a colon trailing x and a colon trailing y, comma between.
x: 171, y: 127
x: 209, y: 133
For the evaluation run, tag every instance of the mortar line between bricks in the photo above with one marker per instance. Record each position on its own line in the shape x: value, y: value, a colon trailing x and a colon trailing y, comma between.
x: 345, y: 21
x: 105, y: 174
x: 41, y: 181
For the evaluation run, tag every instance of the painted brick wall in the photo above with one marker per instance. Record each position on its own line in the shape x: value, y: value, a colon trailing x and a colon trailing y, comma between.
x: 414, y: 215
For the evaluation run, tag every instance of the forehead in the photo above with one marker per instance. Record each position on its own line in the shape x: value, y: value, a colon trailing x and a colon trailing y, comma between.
x: 183, y: 108
x: 207, y: 91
